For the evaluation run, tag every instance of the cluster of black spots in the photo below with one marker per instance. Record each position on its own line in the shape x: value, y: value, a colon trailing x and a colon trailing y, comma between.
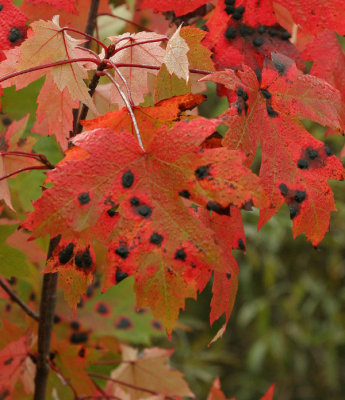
x: 241, y: 244
x: 267, y: 95
x: 122, y: 252
x: 142, y: 209
x: 102, y: 308
x: 127, y: 179
x: 230, y: 32
x: 79, y: 337
x: 66, y: 254
x: 83, y: 260
x: 217, y: 208
x: 123, y: 323
x: 202, y: 172
x: 310, y: 158
x: 271, y: 112
x: 293, y: 198
x: 246, y: 30
x: 241, y: 102
x: 15, y: 35
x: 120, y: 275
x: 156, y: 239
x: 180, y: 255
x: 84, y: 198
x: 74, y: 325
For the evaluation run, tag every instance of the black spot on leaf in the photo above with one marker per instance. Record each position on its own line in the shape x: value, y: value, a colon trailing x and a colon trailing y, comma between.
x: 156, y: 238
x: 57, y: 319
x: 258, y: 41
x: 262, y: 29
x: 122, y: 251
x: 74, y: 325
x: 266, y: 94
x: 245, y: 96
x: 102, y: 308
x: 157, y: 325
x: 185, y: 194
x: 239, y: 91
x: 6, y: 121
x: 83, y: 260
x: 238, y: 13
x: 127, y: 179
x: 229, y: 9
x: 302, y: 164
x: 328, y: 151
x: 120, y: 275
x: 228, y: 276
x: 12, y: 280
x: 1, y: 7
x: 258, y: 74
x: 230, y: 2
x: 123, y: 323
x: 293, y: 211
x: 246, y: 30
x: 202, y: 172
x: 134, y: 201
x: 79, y: 337
x: 271, y: 112
x: 8, y: 361
x: 84, y: 198
x: 300, y: 196
x: 273, y: 32
x: 66, y: 254
x: 145, y: 211
x: 14, y: 35
x: 279, y: 67
x: 82, y: 352
x: 285, y: 35
x: 230, y: 33
x: 180, y: 255
x: 217, y: 208
x: 241, y: 244
x: 283, y: 189
x: 312, y: 154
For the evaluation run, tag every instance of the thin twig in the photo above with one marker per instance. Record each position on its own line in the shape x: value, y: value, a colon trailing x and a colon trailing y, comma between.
x: 129, y: 385
x: 14, y: 297
x: 86, y: 35
x: 129, y: 108
x: 37, y: 156
x: 134, y: 43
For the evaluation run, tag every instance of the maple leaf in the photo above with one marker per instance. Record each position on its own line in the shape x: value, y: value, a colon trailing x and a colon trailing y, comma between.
x: 134, y: 206
x: 67, y: 5
x: 180, y: 7
x: 217, y: 394
x: 295, y: 167
x: 148, y: 370
x: 12, y: 25
x: 13, y: 357
x: 129, y: 51
x: 175, y: 57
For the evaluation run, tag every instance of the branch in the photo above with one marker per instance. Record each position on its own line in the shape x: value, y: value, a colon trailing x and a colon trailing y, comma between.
x: 14, y: 297
x: 129, y: 385
x: 45, y: 327
x: 134, y: 43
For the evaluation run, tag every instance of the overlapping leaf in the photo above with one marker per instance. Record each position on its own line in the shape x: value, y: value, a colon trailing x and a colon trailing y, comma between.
x: 295, y: 166
x: 180, y: 7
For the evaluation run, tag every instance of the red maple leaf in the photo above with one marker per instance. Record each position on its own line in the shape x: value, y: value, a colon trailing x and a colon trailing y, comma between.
x: 133, y: 202
x: 180, y: 7
x: 12, y: 25
x: 295, y: 166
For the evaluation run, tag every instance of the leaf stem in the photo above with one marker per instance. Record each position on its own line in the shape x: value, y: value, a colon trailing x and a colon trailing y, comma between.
x: 14, y: 297
x: 84, y: 34
x: 39, y: 157
x: 22, y: 170
x: 129, y: 385
x: 134, y: 43
x: 129, y: 108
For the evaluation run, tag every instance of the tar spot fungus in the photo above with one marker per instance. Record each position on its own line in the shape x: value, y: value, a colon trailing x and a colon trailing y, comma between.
x: 145, y: 211
x: 122, y: 251
x: 66, y: 254
x: 217, y: 208
x: 285, y: 35
x: 302, y: 164
x: 83, y: 260
x: 229, y: 9
x: 246, y: 30
x: 312, y: 154
x: 239, y: 91
x: 300, y: 196
x: 230, y: 33
x: 78, y: 337
x: 258, y: 41
x: 185, y: 194
x: 328, y: 151
x: 279, y: 67
x: 228, y: 276
x: 180, y: 255
x: 293, y: 211
x: 283, y: 189
x: 238, y: 13
x: 14, y: 35
x: 271, y: 112
x: 123, y: 323
x: 120, y: 275
x: 273, y: 32
x: 266, y: 94
x: 241, y: 244
x: 57, y: 319
x: 127, y: 179
x: 81, y: 352
x: 6, y: 121
x: 74, y: 325
x: 1, y: 7
x: 157, y: 325
x: 230, y: 2
x: 84, y: 198
x: 156, y: 239
x: 112, y: 211
x: 202, y: 172
x: 261, y: 29
x: 8, y: 361
x: 134, y: 201
x: 102, y: 309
